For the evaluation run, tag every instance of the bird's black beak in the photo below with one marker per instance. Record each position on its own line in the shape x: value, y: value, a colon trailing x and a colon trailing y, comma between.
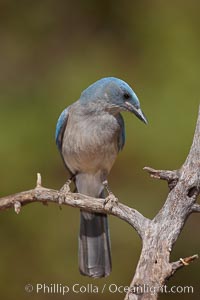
x: 137, y: 111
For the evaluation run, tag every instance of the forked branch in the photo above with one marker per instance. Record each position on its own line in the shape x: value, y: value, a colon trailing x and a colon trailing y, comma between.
x: 158, y: 235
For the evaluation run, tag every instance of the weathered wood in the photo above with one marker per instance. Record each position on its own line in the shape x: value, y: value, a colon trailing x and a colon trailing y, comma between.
x: 158, y: 235
x: 154, y: 265
x: 110, y: 205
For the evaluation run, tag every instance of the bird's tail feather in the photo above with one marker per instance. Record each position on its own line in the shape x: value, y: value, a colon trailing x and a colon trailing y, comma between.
x: 94, y: 245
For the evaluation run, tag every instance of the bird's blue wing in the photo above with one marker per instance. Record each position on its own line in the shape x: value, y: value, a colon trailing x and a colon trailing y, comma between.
x: 121, y: 137
x: 60, y: 128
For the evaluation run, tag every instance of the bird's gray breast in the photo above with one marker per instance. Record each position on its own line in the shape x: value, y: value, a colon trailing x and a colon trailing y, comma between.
x: 90, y: 143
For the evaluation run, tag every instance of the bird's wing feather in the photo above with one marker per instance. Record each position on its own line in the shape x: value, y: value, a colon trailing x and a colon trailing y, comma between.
x: 121, y: 138
x: 60, y: 128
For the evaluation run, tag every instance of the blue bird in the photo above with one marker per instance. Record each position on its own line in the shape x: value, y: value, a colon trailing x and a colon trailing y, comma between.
x: 89, y: 135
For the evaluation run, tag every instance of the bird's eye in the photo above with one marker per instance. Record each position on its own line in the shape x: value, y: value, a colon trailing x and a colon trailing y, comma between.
x: 126, y: 96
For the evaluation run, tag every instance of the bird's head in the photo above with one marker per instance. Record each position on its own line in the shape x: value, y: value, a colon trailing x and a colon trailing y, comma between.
x: 113, y: 95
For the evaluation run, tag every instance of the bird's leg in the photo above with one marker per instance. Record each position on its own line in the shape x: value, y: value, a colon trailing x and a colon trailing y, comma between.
x: 65, y: 189
x: 110, y: 199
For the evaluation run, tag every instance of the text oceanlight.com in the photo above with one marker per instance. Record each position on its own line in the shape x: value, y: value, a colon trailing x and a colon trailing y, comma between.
x: 77, y: 288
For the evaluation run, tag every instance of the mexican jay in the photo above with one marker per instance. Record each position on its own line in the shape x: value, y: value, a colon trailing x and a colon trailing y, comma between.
x: 89, y: 135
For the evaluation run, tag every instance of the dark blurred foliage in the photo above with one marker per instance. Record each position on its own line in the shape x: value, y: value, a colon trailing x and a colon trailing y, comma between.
x: 49, y: 52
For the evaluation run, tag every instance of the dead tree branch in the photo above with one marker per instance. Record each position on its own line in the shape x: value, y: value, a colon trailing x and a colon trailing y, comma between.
x: 158, y: 235
x: 44, y: 195
x: 182, y: 262
x: 154, y: 266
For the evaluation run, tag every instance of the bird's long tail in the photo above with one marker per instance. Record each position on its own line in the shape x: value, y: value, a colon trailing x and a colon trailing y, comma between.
x: 94, y: 245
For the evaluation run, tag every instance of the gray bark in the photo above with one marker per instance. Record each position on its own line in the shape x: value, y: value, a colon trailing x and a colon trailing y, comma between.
x: 158, y: 235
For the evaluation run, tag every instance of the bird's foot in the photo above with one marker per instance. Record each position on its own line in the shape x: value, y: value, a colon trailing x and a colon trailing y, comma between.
x: 110, y: 200
x: 65, y: 189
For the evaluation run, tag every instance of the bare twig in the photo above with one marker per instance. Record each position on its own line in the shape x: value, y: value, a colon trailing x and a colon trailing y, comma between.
x: 170, y: 176
x: 162, y: 174
x: 195, y: 208
x: 182, y: 262
x: 17, y: 206
x: 39, y: 180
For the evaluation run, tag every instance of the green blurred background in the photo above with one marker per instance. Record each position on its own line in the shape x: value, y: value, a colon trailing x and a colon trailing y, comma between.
x: 49, y: 52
